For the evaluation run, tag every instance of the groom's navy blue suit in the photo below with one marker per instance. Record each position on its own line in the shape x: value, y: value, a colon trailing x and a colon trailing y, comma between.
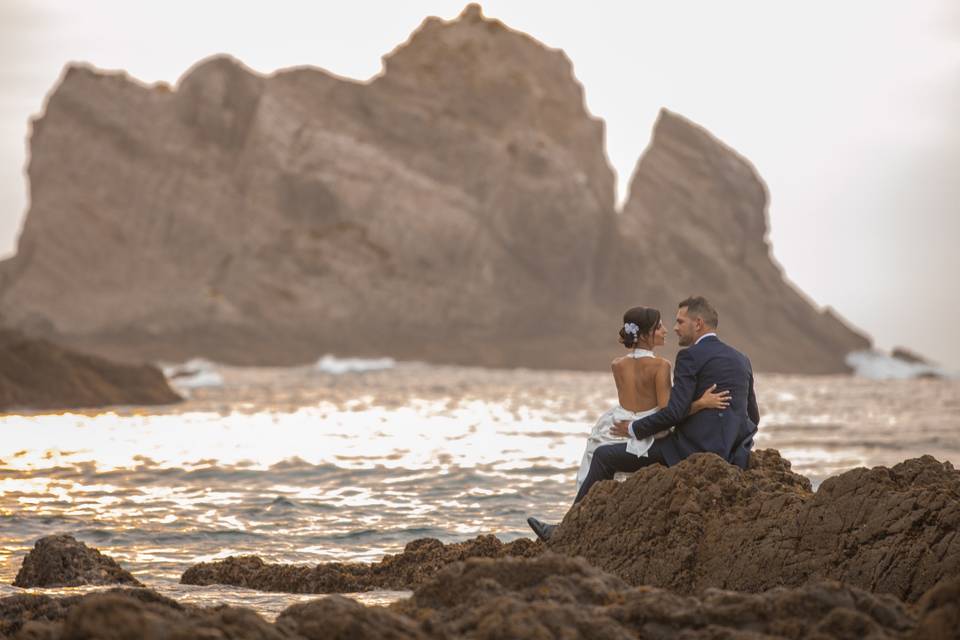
x: 728, y: 432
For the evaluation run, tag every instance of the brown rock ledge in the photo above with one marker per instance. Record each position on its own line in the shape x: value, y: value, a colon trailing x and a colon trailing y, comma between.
x: 63, y: 561
x: 543, y: 597
x: 705, y: 523
x: 37, y: 374
x: 419, y: 561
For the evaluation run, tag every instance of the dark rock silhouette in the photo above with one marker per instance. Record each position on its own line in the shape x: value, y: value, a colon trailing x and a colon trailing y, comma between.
x: 420, y: 560
x: 36, y: 374
x: 905, y: 355
x: 63, y: 561
x: 461, y: 199
x: 707, y: 524
x: 545, y: 597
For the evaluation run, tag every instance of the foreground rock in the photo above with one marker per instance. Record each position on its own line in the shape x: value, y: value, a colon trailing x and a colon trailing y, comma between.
x: 36, y: 374
x: 63, y: 561
x: 419, y: 561
x: 554, y: 596
x: 269, y: 220
x: 706, y: 524
x: 546, y: 597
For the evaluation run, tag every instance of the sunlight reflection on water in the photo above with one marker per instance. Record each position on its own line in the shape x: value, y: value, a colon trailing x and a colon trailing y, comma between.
x: 298, y: 465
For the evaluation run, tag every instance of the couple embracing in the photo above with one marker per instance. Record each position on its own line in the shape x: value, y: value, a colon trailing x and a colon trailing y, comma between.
x: 711, y: 406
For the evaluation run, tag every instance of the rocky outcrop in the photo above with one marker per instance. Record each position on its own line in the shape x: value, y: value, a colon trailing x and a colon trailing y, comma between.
x: 554, y: 596
x: 419, y: 561
x: 546, y: 597
x: 456, y: 208
x: 695, y: 221
x: 63, y: 561
x: 706, y: 524
x: 36, y: 374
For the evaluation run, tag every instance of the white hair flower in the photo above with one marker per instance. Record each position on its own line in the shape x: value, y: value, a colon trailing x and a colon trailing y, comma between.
x: 631, y: 328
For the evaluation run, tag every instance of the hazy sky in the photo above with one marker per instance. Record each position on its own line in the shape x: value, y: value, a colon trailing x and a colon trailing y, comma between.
x: 849, y: 110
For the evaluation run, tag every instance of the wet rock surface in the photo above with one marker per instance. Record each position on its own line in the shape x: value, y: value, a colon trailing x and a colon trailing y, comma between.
x: 420, y: 560
x: 63, y: 561
x: 548, y: 596
x: 255, y: 219
x: 37, y: 374
x: 707, y: 524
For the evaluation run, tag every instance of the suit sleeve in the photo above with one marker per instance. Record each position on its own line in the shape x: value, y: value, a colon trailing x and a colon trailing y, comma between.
x: 753, y: 411
x: 681, y: 397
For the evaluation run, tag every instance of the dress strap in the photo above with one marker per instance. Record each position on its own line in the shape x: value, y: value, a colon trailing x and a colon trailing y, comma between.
x: 641, y: 353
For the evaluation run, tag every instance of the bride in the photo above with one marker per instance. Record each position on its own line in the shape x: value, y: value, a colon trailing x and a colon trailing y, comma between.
x: 643, y: 386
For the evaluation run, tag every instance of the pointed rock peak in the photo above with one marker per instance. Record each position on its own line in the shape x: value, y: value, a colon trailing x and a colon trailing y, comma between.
x: 673, y: 124
x: 472, y: 12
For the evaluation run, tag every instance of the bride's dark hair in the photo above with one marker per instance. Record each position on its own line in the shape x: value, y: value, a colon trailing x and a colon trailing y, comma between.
x: 646, y: 319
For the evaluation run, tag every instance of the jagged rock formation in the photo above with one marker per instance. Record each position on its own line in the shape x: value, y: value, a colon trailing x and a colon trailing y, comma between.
x: 546, y: 597
x: 706, y: 524
x: 63, y: 561
x: 420, y: 560
x: 457, y: 208
x: 695, y: 221
x: 37, y: 374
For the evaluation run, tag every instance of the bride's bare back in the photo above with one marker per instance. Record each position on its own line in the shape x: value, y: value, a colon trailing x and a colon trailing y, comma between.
x: 642, y: 383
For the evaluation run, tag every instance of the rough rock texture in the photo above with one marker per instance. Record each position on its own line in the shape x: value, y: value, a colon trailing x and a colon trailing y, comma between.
x: 705, y: 523
x: 458, y: 207
x: 127, y: 614
x: 62, y: 561
x: 554, y: 596
x: 37, y: 374
x: 420, y: 560
x: 546, y: 597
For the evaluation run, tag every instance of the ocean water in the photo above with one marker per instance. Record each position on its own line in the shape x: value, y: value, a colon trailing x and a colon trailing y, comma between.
x: 350, y: 460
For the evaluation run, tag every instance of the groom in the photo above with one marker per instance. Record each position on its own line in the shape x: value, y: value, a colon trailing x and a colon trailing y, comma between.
x: 726, y: 432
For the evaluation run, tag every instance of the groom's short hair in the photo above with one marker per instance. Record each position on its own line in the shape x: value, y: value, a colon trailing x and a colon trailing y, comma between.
x: 700, y: 307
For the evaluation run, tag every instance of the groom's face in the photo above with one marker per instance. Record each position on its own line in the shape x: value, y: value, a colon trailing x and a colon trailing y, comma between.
x: 685, y: 328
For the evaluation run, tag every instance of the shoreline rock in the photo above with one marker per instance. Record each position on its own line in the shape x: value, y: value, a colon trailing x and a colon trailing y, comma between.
x: 707, y: 524
x: 63, y: 561
x: 699, y: 525
x: 39, y: 375
x: 542, y: 597
x: 419, y: 561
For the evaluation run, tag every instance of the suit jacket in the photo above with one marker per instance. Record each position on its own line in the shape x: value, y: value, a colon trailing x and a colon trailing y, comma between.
x: 729, y: 432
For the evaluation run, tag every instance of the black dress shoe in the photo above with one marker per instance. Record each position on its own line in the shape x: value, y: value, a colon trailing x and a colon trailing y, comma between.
x: 542, y: 529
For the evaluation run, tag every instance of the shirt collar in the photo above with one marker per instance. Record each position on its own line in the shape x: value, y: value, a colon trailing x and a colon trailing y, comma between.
x: 706, y: 335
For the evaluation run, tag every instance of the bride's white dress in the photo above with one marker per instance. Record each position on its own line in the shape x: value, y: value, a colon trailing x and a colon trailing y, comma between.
x: 600, y: 435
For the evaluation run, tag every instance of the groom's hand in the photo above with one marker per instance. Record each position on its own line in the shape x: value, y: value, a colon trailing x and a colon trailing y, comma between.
x: 620, y: 429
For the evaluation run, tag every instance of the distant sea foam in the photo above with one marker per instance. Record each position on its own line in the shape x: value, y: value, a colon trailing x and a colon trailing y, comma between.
x: 877, y: 365
x: 337, y: 366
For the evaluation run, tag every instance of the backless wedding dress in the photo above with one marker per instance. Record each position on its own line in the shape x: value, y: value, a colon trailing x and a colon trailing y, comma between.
x: 600, y: 435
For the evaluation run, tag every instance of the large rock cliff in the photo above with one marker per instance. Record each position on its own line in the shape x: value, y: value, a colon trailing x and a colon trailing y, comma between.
x: 458, y: 207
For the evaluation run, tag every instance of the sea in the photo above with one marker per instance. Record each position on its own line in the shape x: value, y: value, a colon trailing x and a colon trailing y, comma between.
x: 349, y: 460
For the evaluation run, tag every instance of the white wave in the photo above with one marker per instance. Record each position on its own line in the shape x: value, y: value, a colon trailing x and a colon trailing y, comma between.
x: 876, y: 365
x: 194, y: 374
x: 338, y: 366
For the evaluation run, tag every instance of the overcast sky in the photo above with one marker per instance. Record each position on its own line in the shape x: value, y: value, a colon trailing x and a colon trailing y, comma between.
x: 849, y: 110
